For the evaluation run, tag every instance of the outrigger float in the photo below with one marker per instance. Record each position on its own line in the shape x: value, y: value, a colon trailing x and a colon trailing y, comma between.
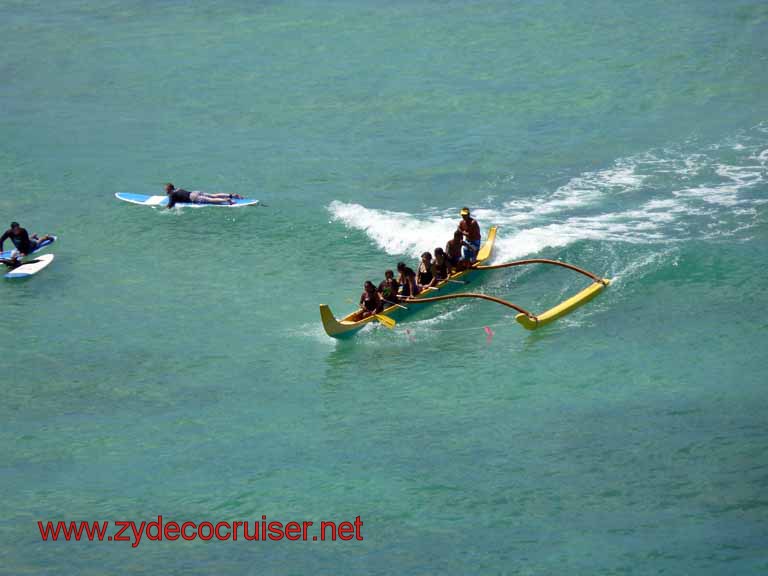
x: 353, y: 322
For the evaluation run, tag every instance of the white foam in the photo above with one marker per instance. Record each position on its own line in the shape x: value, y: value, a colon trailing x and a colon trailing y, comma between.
x: 441, y: 318
x: 395, y: 232
x: 638, y: 266
x: 312, y: 331
x: 400, y: 233
x: 742, y: 175
x: 727, y: 193
x: 722, y: 195
x: 694, y: 187
x: 631, y: 227
x: 581, y: 191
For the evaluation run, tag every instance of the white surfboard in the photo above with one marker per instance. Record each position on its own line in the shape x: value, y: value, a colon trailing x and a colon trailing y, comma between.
x: 30, y: 268
x: 145, y: 200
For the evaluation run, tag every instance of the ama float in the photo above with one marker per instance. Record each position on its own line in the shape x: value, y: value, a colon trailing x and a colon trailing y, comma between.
x: 447, y: 289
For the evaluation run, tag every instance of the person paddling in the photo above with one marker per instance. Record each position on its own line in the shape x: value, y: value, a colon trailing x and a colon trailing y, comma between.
x: 370, y: 302
x: 453, y: 249
x: 425, y: 275
x: 470, y: 230
x: 441, y: 266
x: 407, y: 281
x: 181, y: 196
x: 24, y: 243
x: 388, y: 288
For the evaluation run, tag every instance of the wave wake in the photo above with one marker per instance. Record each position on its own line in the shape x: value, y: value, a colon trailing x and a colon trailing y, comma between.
x: 669, y: 195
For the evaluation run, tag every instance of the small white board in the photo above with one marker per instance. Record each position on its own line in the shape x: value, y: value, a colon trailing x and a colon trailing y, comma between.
x: 145, y: 200
x: 30, y: 268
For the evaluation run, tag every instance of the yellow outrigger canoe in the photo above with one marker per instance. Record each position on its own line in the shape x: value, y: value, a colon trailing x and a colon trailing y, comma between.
x: 351, y: 323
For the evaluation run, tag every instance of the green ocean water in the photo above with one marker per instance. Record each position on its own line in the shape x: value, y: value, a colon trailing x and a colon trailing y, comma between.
x: 173, y: 362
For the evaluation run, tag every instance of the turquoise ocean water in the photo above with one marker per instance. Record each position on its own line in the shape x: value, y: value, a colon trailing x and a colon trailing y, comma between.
x: 174, y: 363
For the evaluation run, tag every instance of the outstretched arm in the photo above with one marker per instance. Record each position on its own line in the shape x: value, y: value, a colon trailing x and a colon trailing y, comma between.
x: 3, y: 238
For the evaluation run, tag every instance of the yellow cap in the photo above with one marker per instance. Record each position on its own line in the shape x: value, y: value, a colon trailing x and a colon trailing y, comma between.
x: 464, y: 211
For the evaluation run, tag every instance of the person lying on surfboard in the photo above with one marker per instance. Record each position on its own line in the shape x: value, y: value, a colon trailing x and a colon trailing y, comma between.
x: 370, y: 302
x: 179, y: 196
x: 470, y: 229
x: 24, y: 243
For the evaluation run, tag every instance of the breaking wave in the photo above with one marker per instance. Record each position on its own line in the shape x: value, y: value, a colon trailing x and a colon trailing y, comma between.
x: 669, y: 195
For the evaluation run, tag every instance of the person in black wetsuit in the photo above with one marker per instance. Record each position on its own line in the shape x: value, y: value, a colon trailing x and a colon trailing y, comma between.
x: 370, y: 302
x: 24, y: 243
x: 180, y: 196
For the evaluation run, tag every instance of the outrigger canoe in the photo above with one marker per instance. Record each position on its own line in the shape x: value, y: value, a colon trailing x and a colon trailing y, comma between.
x: 352, y: 322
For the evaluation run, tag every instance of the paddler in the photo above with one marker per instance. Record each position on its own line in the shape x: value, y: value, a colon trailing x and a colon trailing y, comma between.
x: 24, y: 243
x: 425, y: 275
x: 407, y: 281
x: 180, y: 196
x: 370, y: 302
x: 470, y: 230
x: 388, y: 288
x: 441, y: 268
x: 453, y: 249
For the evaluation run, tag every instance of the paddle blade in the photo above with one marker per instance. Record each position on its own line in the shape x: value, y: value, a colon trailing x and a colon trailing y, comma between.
x: 386, y: 321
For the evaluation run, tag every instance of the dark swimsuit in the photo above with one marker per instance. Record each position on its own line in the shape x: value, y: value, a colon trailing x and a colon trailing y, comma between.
x: 22, y: 242
x: 370, y: 302
x: 406, y: 286
x: 178, y: 196
x: 424, y: 277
